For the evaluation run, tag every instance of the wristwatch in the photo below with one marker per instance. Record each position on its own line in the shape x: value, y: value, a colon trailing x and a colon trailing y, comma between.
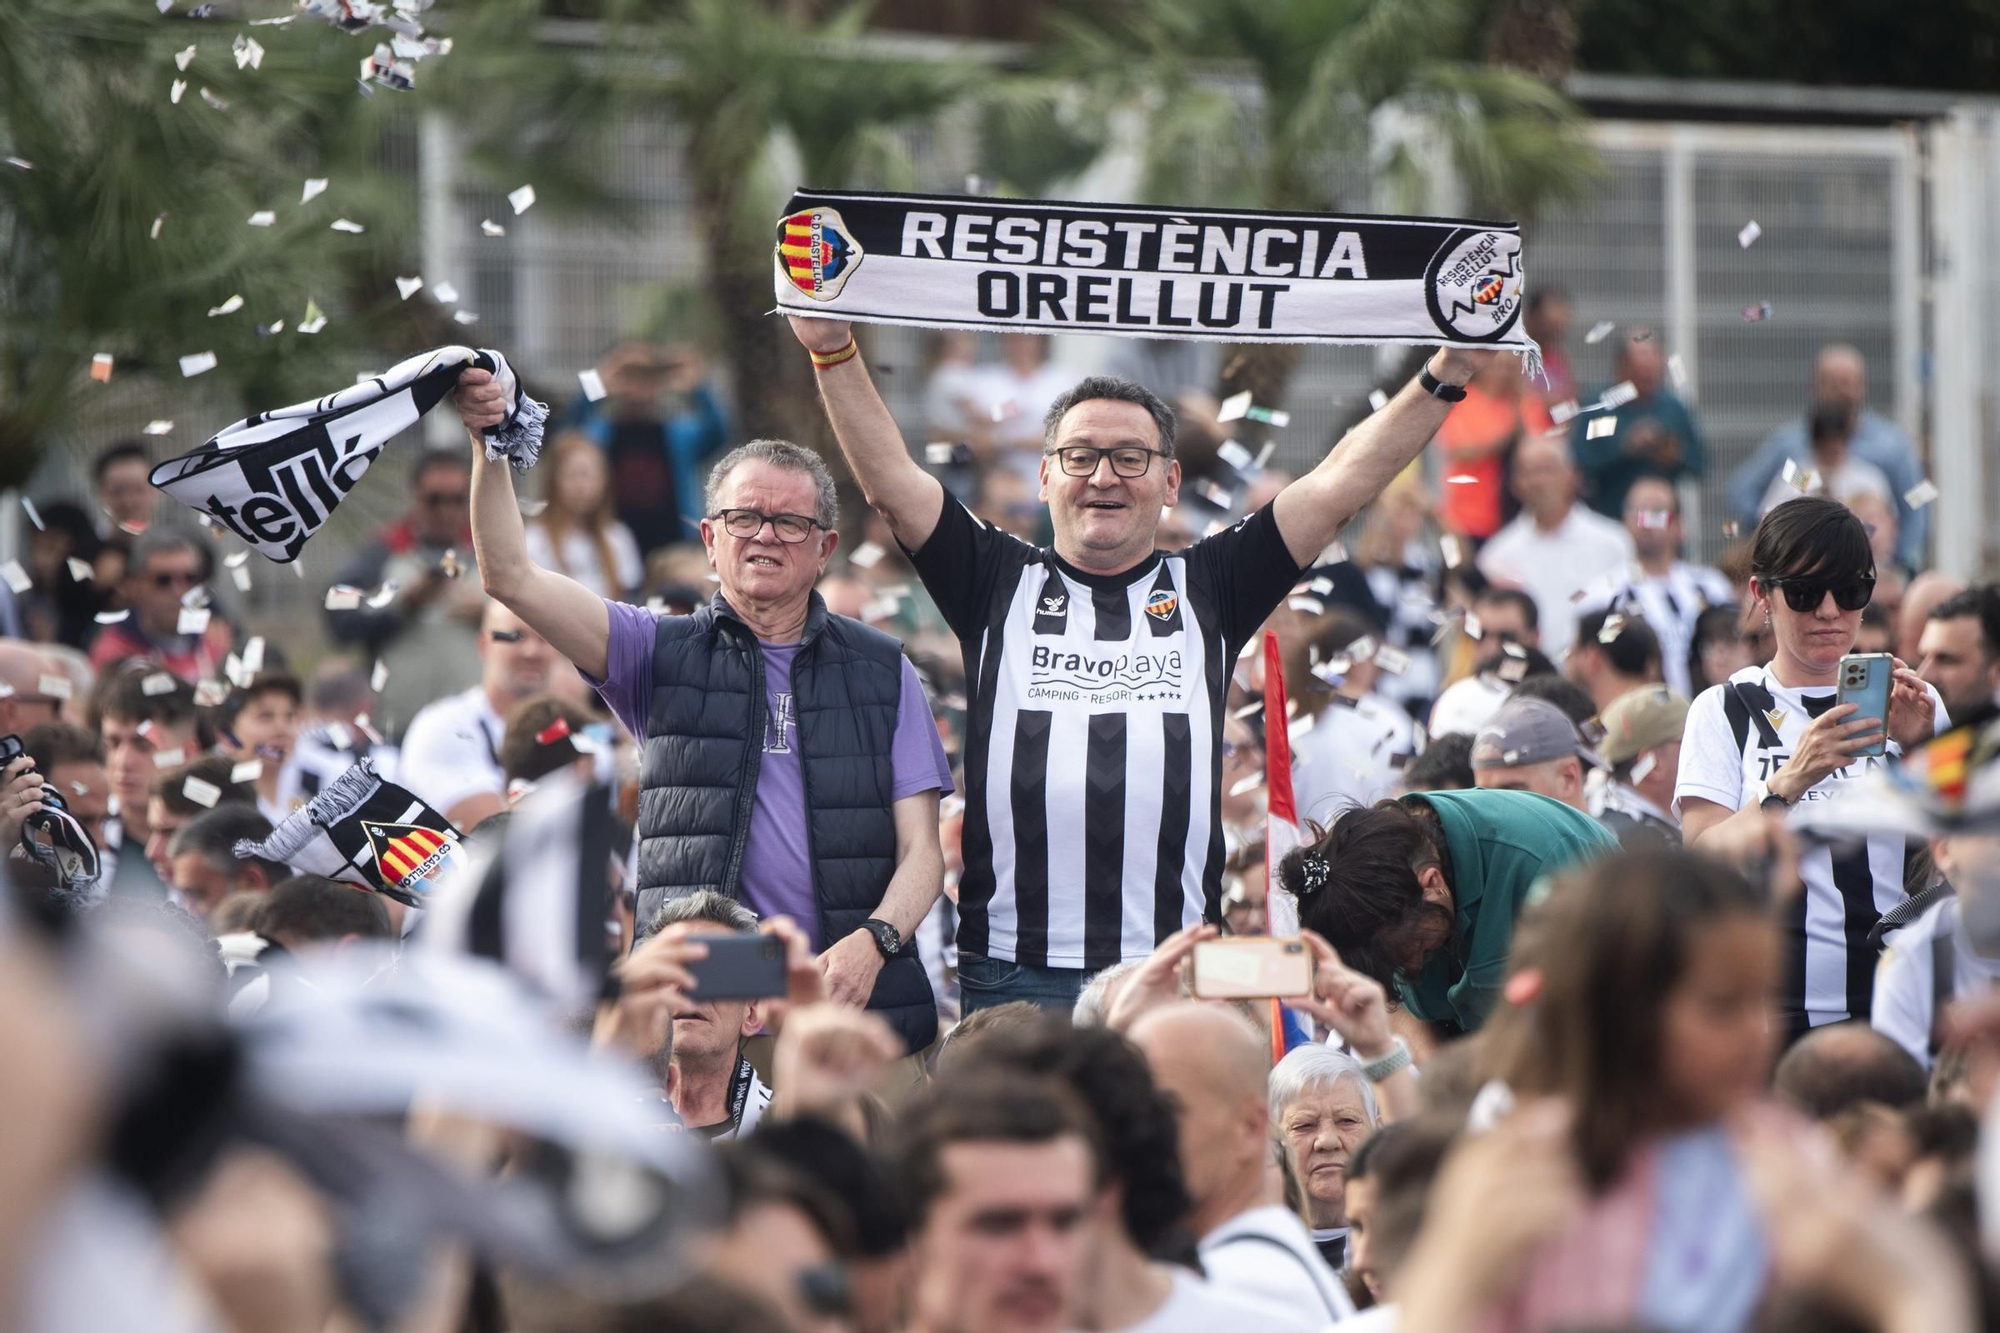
x: 887, y: 938
x: 1398, y: 1058
x: 1763, y: 796
x: 1437, y: 388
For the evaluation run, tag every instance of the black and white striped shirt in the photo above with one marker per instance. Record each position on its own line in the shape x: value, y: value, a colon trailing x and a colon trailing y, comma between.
x: 1669, y: 604
x: 1093, y: 753
x: 1738, y: 734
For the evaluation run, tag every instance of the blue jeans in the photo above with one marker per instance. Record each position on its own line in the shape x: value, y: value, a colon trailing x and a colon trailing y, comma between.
x: 984, y: 982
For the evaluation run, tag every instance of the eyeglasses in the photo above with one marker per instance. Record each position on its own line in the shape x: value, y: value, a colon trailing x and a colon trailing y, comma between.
x: 168, y: 578
x: 505, y: 635
x: 1804, y: 595
x: 1127, y: 460
x: 745, y: 524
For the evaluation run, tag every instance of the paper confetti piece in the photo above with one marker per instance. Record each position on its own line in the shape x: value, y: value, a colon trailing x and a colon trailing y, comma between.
x: 1377, y: 400
x: 203, y: 793
x: 1921, y: 494
x: 249, y: 52
x: 160, y: 682
x: 247, y: 771
x: 159, y: 427
x: 182, y: 59
x: 444, y: 293
x: 1248, y: 784
x: 315, y: 319
x: 34, y: 514
x: 1600, y: 427
x: 464, y: 317
x: 80, y: 570
x: 409, y: 287
x: 175, y: 93
x: 867, y: 555
x: 174, y: 758
x: 15, y: 576
x: 522, y: 199
x: 1234, y: 454
x: 253, y: 654
x: 315, y: 187
x: 1678, y: 369
x: 56, y: 687
x: 229, y: 307
x: 272, y: 329
x: 263, y: 218
x: 1454, y: 554
x: 193, y: 620
x: 240, y: 576
x: 1619, y: 394
x: 379, y: 677
x: 100, y: 370
x: 1312, y: 606
x: 1392, y: 660
x: 213, y: 100
x: 236, y: 559
x: 1647, y: 763
x: 491, y: 228
x: 1270, y: 416
x: 593, y: 385
x: 1461, y: 479
x: 939, y: 455
x: 158, y: 222
x: 352, y: 228
x: 1234, y: 407
x: 198, y: 364
x: 1757, y: 314
x: 1563, y: 411
x: 340, y: 597
x: 1599, y: 331
x: 382, y: 596
x: 1750, y: 232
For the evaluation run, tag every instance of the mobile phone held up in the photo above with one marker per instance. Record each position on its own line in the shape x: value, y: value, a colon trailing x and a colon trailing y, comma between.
x: 1252, y: 968
x: 1864, y: 682
x: 738, y: 967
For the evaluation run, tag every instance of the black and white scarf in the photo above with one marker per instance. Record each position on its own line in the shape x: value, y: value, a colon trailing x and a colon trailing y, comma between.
x: 275, y: 478
x: 362, y: 830
x: 1202, y: 273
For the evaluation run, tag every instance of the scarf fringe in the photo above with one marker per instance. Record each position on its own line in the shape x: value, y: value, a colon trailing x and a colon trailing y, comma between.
x: 341, y: 798
x: 519, y: 438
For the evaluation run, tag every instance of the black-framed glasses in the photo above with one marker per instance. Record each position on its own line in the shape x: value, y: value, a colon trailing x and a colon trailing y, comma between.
x: 1127, y: 460
x: 747, y: 523
x: 1804, y: 594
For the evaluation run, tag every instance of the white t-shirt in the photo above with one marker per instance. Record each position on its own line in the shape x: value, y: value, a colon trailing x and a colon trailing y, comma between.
x: 1906, y: 978
x: 1349, y: 756
x: 1737, y: 737
x: 1195, y: 1306
x: 579, y: 558
x: 452, y: 750
x: 1553, y: 567
x: 1267, y: 1255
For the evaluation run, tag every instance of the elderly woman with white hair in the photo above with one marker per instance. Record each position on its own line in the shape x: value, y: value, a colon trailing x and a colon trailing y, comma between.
x: 1322, y: 1107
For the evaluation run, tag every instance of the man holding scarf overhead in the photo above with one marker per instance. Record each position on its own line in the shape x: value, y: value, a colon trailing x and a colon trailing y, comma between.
x: 1097, y: 670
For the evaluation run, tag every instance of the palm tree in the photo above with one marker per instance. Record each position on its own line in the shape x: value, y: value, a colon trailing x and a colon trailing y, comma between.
x: 85, y: 98
x: 1273, y: 104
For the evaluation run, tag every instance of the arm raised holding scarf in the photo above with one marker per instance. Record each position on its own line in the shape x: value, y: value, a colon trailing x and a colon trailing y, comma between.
x: 571, y: 617
x: 1310, y: 511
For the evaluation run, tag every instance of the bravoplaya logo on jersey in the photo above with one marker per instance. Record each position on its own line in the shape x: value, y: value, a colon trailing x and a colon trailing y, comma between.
x: 1110, y: 677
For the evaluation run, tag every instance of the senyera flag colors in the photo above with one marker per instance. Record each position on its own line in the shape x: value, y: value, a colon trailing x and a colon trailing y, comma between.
x: 1228, y: 275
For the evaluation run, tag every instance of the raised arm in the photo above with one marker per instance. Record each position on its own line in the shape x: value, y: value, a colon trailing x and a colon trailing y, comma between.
x: 1311, y: 511
x: 892, y: 482
x: 570, y: 616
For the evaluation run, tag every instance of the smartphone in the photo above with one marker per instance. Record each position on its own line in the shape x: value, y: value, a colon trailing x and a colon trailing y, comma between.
x: 738, y: 967
x: 1864, y: 682
x: 1251, y: 968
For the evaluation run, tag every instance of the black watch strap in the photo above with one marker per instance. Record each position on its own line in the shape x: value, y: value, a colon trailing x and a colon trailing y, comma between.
x: 888, y: 940
x: 1437, y: 388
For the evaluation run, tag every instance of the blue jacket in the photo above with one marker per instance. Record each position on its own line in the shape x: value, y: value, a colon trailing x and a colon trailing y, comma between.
x: 1876, y: 440
x: 691, y: 435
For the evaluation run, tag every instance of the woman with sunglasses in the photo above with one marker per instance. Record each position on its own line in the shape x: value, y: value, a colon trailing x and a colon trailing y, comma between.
x: 1772, y: 736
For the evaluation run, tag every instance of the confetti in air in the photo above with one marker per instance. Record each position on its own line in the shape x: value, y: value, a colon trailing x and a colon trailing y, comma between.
x: 409, y: 287
x: 1921, y: 494
x: 491, y: 228
x: 352, y: 228
x: 522, y: 199
x: 1599, y: 332
x: 593, y: 385
x: 229, y: 307
x: 263, y: 218
x: 198, y: 364
x: 1751, y: 231
x: 1377, y: 400
x: 1600, y: 427
x: 100, y: 370
x: 315, y: 187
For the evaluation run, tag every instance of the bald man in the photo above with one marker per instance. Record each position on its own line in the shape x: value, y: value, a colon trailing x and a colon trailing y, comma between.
x: 1840, y: 378
x: 451, y: 753
x: 23, y: 703
x: 1555, y: 548
x: 1214, y: 1065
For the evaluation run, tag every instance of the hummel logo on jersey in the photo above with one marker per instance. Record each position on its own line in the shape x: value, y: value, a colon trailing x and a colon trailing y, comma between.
x: 1052, y: 606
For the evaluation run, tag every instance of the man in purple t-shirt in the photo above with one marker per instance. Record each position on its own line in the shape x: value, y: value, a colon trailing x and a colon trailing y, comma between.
x: 769, y: 534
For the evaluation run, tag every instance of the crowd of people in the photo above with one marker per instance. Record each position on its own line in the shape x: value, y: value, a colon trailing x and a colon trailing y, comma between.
x: 967, y: 745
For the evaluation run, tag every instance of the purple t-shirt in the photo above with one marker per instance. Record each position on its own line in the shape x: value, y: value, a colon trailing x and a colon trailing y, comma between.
x: 777, y: 873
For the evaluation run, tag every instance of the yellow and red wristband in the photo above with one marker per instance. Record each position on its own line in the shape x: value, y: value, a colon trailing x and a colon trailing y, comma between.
x: 846, y: 352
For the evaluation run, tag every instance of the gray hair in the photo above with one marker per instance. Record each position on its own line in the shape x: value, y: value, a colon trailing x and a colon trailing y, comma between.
x: 1118, y: 391
x: 717, y: 909
x: 1093, y: 1006
x: 778, y: 453
x: 1313, y: 1066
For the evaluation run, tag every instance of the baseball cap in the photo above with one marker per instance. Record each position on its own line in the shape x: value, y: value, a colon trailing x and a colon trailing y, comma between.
x: 1639, y: 719
x: 1528, y: 731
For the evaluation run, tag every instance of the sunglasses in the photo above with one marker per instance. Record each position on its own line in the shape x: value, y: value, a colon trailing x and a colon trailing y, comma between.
x: 1805, y: 594
x: 176, y: 578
